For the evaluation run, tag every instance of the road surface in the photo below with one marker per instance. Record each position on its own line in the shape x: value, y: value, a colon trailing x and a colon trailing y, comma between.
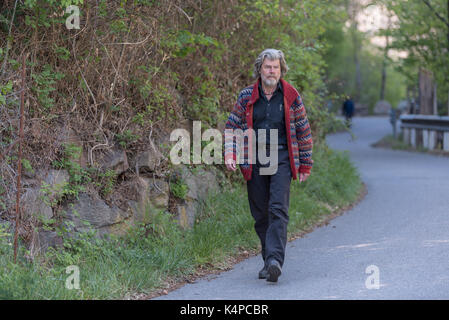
x: 393, y: 245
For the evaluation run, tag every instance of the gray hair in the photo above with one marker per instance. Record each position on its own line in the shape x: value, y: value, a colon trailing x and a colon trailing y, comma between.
x: 271, y: 54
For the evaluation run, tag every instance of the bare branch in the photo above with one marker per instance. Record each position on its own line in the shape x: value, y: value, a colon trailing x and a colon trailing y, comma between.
x: 188, y: 17
x: 129, y: 43
x: 436, y: 13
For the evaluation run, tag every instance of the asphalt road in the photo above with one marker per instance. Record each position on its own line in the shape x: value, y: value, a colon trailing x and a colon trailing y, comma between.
x: 393, y: 245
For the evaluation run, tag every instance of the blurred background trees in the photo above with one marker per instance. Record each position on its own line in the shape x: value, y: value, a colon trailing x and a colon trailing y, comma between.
x: 136, y: 69
x: 422, y: 30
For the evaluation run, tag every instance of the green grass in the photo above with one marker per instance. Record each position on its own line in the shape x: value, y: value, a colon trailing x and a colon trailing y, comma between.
x: 143, y: 260
x: 390, y: 142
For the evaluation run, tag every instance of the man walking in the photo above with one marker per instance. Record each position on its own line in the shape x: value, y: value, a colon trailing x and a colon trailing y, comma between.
x: 270, y: 104
x: 348, y: 110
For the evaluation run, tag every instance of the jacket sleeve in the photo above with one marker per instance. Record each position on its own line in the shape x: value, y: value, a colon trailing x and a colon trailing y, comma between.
x: 234, y: 122
x: 304, y: 137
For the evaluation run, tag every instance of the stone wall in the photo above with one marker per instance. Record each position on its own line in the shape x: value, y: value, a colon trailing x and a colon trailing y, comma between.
x: 146, y: 192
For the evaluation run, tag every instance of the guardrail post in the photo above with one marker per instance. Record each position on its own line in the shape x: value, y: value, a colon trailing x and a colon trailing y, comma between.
x: 425, y: 138
x: 432, y: 139
x: 413, y: 137
x: 446, y: 141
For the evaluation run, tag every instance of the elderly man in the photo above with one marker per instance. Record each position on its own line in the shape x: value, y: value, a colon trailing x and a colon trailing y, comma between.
x: 272, y: 104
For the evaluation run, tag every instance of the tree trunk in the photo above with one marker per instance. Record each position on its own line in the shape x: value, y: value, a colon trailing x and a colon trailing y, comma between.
x: 384, y: 79
x: 435, y: 99
x: 352, y: 7
x: 384, y: 64
x: 425, y: 92
x: 358, y: 76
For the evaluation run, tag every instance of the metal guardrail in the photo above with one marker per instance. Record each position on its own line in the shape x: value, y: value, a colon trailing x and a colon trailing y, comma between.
x: 431, y: 132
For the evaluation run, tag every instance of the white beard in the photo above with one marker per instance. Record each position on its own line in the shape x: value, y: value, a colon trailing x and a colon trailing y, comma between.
x: 269, y: 82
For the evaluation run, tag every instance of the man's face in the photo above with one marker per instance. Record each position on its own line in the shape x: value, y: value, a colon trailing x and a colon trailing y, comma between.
x: 270, y: 72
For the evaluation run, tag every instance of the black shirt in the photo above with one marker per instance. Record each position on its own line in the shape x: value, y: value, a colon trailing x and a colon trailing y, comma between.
x: 270, y: 114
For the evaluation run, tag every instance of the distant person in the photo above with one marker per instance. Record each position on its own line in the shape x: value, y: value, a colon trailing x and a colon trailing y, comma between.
x: 348, y: 110
x: 272, y: 104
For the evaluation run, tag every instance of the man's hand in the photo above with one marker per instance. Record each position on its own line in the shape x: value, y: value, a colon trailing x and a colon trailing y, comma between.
x: 303, y: 176
x: 230, y: 164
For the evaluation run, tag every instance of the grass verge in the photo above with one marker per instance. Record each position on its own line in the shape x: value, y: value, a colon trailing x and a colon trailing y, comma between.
x: 390, y: 142
x: 157, y: 257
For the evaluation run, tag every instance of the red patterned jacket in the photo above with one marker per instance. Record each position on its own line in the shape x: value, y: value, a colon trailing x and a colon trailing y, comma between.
x: 299, y: 140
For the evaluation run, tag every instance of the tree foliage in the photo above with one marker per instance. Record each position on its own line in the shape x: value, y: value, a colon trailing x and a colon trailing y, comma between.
x: 137, y: 69
x: 422, y: 31
x: 141, y: 65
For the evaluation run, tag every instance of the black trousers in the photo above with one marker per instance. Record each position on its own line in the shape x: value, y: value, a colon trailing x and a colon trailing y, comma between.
x: 269, y: 200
